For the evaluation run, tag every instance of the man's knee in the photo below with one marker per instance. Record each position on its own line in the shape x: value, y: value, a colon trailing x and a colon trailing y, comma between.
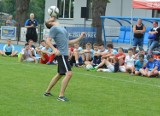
x: 69, y: 74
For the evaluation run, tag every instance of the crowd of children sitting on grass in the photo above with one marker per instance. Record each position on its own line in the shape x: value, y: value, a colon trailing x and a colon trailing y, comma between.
x: 99, y: 58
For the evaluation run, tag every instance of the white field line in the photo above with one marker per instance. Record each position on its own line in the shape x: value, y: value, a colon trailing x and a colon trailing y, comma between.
x: 90, y: 75
x: 118, y: 79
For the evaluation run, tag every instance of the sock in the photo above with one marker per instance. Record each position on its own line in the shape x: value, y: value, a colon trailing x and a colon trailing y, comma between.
x: 77, y: 62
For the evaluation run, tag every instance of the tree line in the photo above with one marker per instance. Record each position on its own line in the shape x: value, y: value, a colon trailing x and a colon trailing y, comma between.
x: 20, y: 9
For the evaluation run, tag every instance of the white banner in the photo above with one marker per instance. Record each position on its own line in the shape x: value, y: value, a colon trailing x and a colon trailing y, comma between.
x: 8, y: 32
x: 23, y: 34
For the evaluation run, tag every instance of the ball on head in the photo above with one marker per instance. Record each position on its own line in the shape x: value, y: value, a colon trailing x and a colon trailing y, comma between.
x: 53, y: 11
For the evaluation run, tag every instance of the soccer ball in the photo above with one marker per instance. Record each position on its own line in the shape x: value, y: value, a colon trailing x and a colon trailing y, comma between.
x: 53, y: 11
x: 89, y: 67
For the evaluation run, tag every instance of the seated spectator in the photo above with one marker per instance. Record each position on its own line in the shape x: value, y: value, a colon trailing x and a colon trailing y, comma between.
x: 111, y: 67
x: 76, y: 54
x: 121, y: 56
x: 141, y: 51
x: 129, y: 62
x: 94, y: 61
x: 32, y: 47
x: 38, y: 49
x: 8, y: 49
x: 98, y: 54
x: 26, y: 55
x: 110, y: 52
x: 151, y: 67
x: 140, y: 64
x: 87, y: 54
x: 95, y: 52
x: 47, y: 56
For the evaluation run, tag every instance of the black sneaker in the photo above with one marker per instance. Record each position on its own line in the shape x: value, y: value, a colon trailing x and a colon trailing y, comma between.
x: 48, y: 94
x: 62, y: 98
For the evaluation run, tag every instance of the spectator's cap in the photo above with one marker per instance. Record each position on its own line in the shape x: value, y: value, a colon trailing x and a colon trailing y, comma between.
x: 149, y: 56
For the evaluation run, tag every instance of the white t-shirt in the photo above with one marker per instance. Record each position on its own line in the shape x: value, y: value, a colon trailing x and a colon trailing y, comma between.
x: 129, y: 60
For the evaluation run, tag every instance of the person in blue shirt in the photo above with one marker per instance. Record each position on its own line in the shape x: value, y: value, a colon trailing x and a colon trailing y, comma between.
x: 158, y: 68
x: 151, y: 67
x: 8, y: 49
x: 140, y: 64
x: 31, y: 25
x: 61, y: 38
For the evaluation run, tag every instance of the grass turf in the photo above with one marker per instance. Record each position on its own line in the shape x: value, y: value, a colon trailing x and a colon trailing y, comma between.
x: 90, y: 93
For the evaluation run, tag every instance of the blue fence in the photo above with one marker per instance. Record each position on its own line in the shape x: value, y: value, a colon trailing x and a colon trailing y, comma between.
x: 125, y: 32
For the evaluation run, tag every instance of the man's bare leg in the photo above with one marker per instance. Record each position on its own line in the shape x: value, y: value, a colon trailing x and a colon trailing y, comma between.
x: 53, y: 82
x: 65, y: 82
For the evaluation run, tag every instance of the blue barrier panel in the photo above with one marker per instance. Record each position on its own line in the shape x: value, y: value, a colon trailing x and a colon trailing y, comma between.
x: 16, y: 47
x: 75, y: 32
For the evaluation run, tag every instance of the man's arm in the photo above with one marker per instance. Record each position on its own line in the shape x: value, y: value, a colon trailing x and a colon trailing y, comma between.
x: 83, y: 34
x: 52, y: 47
x: 144, y: 29
x: 139, y: 31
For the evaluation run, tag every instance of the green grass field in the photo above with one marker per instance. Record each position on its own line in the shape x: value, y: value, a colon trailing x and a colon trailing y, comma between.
x: 90, y: 93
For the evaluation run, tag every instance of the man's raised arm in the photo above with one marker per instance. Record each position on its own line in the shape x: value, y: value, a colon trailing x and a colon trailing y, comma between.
x: 83, y: 34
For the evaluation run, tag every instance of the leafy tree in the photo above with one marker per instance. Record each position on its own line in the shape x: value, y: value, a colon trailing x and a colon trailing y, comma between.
x: 98, y: 9
x: 22, y: 7
x: 37, y: 7
x: 8, y: 6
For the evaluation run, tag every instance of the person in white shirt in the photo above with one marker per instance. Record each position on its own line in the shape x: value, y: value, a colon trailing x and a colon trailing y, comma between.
x: 26, y: 54
x: 129, y: 62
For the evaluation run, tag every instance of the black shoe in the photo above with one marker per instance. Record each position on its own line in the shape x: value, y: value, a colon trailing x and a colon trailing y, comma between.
x: 47, y: 94
x: 77, y: 65
x: 62, y: 98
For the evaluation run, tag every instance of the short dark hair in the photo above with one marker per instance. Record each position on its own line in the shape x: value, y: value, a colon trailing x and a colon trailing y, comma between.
x: 130, y: 49
x: 110, y: 46
x: 26, y: 44
x: 100, y: 44
x: 156, y: 22
x: 149, y: 56
x: 141, y: 56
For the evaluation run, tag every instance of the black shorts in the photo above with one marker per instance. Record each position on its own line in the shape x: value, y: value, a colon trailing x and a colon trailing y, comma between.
x: 63, y: 65
x: 8, y: 53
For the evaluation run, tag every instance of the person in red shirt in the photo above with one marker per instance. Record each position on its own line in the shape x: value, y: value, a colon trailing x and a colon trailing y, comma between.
x: 121, y: 56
